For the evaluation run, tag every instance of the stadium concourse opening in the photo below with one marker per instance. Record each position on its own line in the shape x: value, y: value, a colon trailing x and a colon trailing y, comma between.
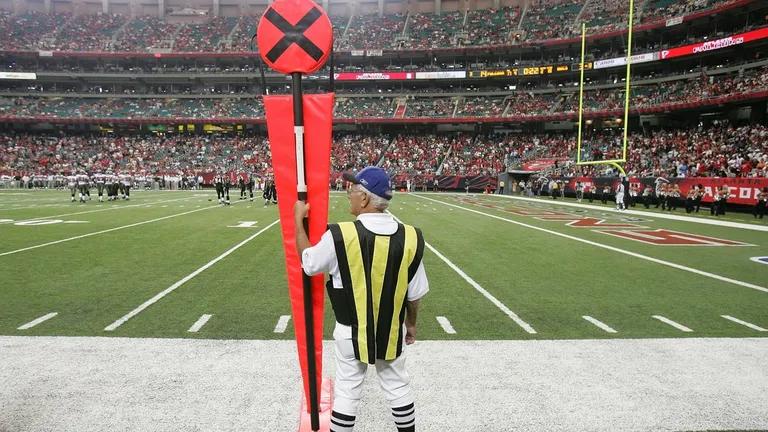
x: 142, y: 283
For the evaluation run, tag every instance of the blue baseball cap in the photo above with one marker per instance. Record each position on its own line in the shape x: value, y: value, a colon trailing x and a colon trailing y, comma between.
x: 374, y: 179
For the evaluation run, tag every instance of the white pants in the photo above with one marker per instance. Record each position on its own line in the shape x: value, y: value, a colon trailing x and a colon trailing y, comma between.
x: 620, y: 199
x: 350, y: 374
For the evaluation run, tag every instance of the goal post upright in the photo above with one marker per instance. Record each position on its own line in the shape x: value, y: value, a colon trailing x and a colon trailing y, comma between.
x: 625, y: 134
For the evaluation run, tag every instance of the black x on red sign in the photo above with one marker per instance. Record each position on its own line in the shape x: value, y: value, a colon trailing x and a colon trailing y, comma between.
x: 294, y: 36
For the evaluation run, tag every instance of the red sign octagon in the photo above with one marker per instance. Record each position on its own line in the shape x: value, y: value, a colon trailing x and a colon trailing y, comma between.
x: 294, y: 36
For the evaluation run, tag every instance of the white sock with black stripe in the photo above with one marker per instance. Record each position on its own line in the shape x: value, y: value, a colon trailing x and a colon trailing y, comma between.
x: 342, y: 422
x: 405, y: 418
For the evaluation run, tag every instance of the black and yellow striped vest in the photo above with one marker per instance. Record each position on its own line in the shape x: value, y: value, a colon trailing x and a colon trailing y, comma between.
x: 375, y: 271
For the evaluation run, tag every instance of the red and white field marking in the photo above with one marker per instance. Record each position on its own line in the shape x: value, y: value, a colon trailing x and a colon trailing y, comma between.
x: 607, y: 247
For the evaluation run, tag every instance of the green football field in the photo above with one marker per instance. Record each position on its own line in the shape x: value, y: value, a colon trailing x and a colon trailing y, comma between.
x: 499, y: 268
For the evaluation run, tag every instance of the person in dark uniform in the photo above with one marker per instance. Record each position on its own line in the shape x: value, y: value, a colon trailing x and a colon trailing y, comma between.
x: 698, y: 196
x: 375, y: 253
x: 251, y: 185
x: 273, y: 191
x: 606, y: 194
x: 227, y: 184
x: 241, y: 185
x: 725, y: 193
x: 719, y: 201
x: 673, y: 197
x: 690, y: 201
x: 218, y: 183
x: 647, y: 196
x: 762, y: 199
x: 267, y: 193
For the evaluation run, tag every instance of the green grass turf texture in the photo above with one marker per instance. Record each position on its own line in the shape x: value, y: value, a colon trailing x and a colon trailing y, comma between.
x: 549, y: 281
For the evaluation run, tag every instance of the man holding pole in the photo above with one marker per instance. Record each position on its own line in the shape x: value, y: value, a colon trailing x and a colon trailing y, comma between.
x: 372, y: 257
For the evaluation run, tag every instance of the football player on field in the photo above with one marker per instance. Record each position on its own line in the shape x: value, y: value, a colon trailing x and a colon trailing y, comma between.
x: 72, y: 185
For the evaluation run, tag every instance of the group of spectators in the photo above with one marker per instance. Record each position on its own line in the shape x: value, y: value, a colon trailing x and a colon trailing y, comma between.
x: 205, y: 36
x: 698, y: 89
x: 415, y: 154
x: 353, y: 151
x: 543, y: 19
x: 132, y: 107
x: 55, y: 154
x: 720, y: 150
x: 483, y: 155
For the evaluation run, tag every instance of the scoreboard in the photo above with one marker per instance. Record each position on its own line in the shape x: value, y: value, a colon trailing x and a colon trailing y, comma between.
x: 527, y: 71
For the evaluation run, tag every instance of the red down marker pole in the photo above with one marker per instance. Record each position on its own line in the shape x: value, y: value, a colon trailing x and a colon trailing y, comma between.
x: 295, y: 37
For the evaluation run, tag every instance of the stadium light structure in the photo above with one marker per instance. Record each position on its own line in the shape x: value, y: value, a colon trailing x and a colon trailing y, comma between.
x: 625, y: 135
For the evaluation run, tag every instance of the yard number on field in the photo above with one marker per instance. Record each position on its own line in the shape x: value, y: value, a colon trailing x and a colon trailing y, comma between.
x: 244, y: 224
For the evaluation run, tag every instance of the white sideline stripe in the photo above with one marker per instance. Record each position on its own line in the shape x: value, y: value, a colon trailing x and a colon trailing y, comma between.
x: 199, y: 323
x: 446, y: 325
x: 611, y: 248
x: 673, y: 323
x: 600, y: 324
x: 282, y: 323
x: 527, y: 327
x: 43, y: 318
x: 645, y: 213
x: 744, y: 323
x: 104, y: 231
x: 181, y: 282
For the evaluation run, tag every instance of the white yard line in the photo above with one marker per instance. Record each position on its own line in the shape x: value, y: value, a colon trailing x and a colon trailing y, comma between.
x: 199, y: 323
x: 642, y: 213
x: 105, y: 231
x: 673, y: 323
x: 63, y: 199
x: 282, y: 323
x: 36, y: 207
x: 605, y: 327
x: 42, y: 319
x: 105, y: 209
x: 527, y: 327
x: 744, y: 323
x: 446, y: 325
x: 184, y: 280
x: 611, y: 248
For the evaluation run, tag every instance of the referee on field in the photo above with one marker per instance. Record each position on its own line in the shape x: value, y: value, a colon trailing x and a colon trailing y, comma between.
x: 376, y: 281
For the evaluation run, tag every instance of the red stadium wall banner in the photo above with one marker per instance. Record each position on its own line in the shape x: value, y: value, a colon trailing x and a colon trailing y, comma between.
x: 538, y: 165
x: 743, y: 190
x: 318, y: 115
x: 726, y: 42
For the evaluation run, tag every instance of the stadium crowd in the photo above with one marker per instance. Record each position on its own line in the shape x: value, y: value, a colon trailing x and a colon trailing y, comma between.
x: 542, y: 19
x: 165, y: 154
x: 698, y: 89
x: 719, y: 150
